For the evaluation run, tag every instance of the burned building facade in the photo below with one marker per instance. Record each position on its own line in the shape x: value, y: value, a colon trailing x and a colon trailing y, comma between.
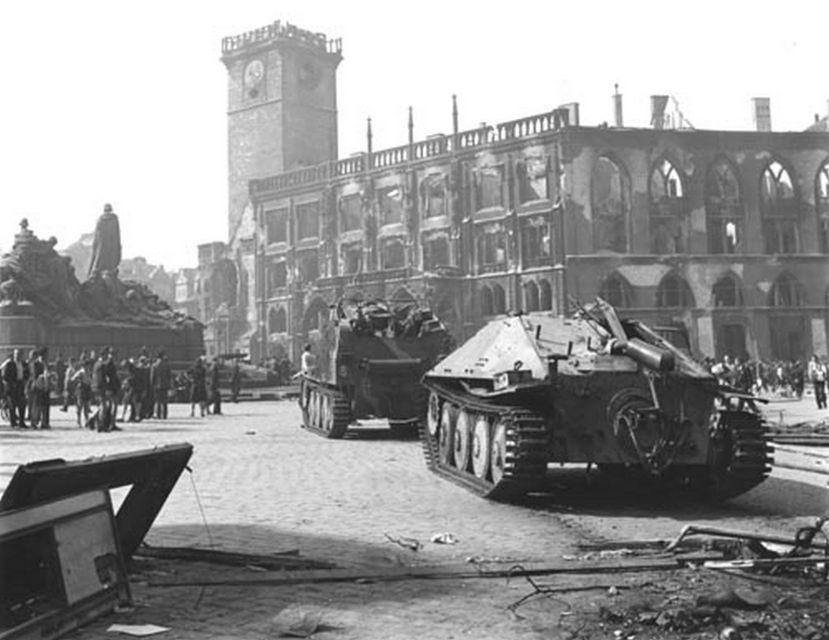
x: 724, y: 234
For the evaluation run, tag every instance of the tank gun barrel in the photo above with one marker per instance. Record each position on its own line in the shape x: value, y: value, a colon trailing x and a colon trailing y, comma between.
x: 648, y: 355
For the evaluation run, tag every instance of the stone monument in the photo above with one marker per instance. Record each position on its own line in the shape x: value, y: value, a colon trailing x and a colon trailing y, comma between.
x: 42, y: 302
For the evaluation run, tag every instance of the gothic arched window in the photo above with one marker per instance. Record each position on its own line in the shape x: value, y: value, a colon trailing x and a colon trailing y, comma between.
x: 616, y: 290
x: 674, y: 293
x: 723, y: 208
x: 487, y: 307
x: 545, y: 295
x: 822, y: 206
x: 727, y: 292
x: 786, y: 292
x: 610, y: 198
x: 669, y: 234
x: 779, y: 206
x: 531, y: 296
x: 499, y: 299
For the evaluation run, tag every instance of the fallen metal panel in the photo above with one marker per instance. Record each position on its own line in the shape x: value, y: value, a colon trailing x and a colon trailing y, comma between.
x: 61, y: 566
x: 152, y: 473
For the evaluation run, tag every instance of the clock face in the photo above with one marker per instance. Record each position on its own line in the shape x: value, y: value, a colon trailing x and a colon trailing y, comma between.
x: 254, y: 72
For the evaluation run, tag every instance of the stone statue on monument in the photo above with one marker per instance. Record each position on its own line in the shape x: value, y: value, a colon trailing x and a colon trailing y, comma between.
x: 106, y: 247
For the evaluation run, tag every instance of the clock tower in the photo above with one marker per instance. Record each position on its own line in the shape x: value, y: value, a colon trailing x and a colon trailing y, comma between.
x: 282, y: 105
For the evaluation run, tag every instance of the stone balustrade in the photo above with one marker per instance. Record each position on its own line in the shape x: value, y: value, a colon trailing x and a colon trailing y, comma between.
x: 431, y: 147
x: 281, y: 31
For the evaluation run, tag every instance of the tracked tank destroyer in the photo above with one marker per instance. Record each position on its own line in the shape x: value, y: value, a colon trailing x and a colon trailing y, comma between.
x: 369, y: 361
x: 532, y: 390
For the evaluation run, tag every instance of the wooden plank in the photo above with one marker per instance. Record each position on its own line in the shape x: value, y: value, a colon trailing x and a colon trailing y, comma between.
x: 468, y: 571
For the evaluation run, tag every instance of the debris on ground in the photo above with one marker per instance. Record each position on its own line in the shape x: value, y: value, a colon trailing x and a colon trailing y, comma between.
x: 407, y: 543
x: 444, y: 538
x: 296, y: 622
x: 138, y: 630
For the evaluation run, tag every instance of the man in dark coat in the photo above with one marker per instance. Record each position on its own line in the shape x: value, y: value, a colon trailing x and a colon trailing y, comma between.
x: 160, y: 377
x: 215, y: 392
x: 15, y: 376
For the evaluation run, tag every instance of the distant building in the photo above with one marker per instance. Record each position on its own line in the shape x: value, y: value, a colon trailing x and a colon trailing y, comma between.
x: 187, y: 292
x: 725, y: 233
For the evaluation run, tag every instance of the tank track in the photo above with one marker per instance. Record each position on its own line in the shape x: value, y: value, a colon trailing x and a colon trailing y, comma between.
x: 324, y: 400
x: 742, y: 454
x: 525, y: 459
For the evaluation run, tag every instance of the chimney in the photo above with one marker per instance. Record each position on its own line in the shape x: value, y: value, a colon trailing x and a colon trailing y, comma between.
x: 617, y: 106
x: 762, y: 113
x: 658, y: 104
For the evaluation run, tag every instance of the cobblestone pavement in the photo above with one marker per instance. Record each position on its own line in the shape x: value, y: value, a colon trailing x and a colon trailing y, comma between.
x: 260, y: 484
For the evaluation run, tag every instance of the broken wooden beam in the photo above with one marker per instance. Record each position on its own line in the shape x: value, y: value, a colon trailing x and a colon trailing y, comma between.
x: 467, y: 571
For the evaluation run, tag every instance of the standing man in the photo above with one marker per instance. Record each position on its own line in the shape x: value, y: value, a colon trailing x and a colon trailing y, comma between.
x: 40, y: 390
x: 15, y: 376
x: 68, y: 384
x: 215, y: 391
x: 160, y: 382
x: 235, y: 381
x: 817, y: 376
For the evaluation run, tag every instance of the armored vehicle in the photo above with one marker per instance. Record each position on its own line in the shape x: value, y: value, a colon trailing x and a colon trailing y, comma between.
x: 530, y: 390
x: 369, y: 361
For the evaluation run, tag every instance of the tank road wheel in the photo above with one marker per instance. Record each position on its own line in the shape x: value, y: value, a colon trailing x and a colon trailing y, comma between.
x: 433, y: 414
x: 498, y: 457
x: 314, y: 409
x: 463, y: 436
x: 481, y: 450
x: 446, y: 433
x: 326, y: 413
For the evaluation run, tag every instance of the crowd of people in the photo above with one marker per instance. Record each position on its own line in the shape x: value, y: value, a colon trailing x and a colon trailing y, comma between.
x: 788, y: 378
x: 97, y: 386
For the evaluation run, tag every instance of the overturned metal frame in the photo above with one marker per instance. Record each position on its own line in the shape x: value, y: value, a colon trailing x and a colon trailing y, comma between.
x: 152, y: 473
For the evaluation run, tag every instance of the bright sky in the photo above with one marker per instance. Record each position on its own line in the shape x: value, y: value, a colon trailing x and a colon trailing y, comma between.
x: 124, y: 102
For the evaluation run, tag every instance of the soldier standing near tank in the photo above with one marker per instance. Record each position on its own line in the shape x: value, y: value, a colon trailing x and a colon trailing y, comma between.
x: 235, y: 381
x: 68, y: 384
x: 15, y: 374
x: 214, y: 375
x: 40, y: 391
x: 817, y: 376
x: 160, y: 383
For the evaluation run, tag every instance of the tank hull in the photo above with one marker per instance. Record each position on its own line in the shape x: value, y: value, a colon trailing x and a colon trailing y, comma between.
x: 371, y: 369
x: 531, y: 391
